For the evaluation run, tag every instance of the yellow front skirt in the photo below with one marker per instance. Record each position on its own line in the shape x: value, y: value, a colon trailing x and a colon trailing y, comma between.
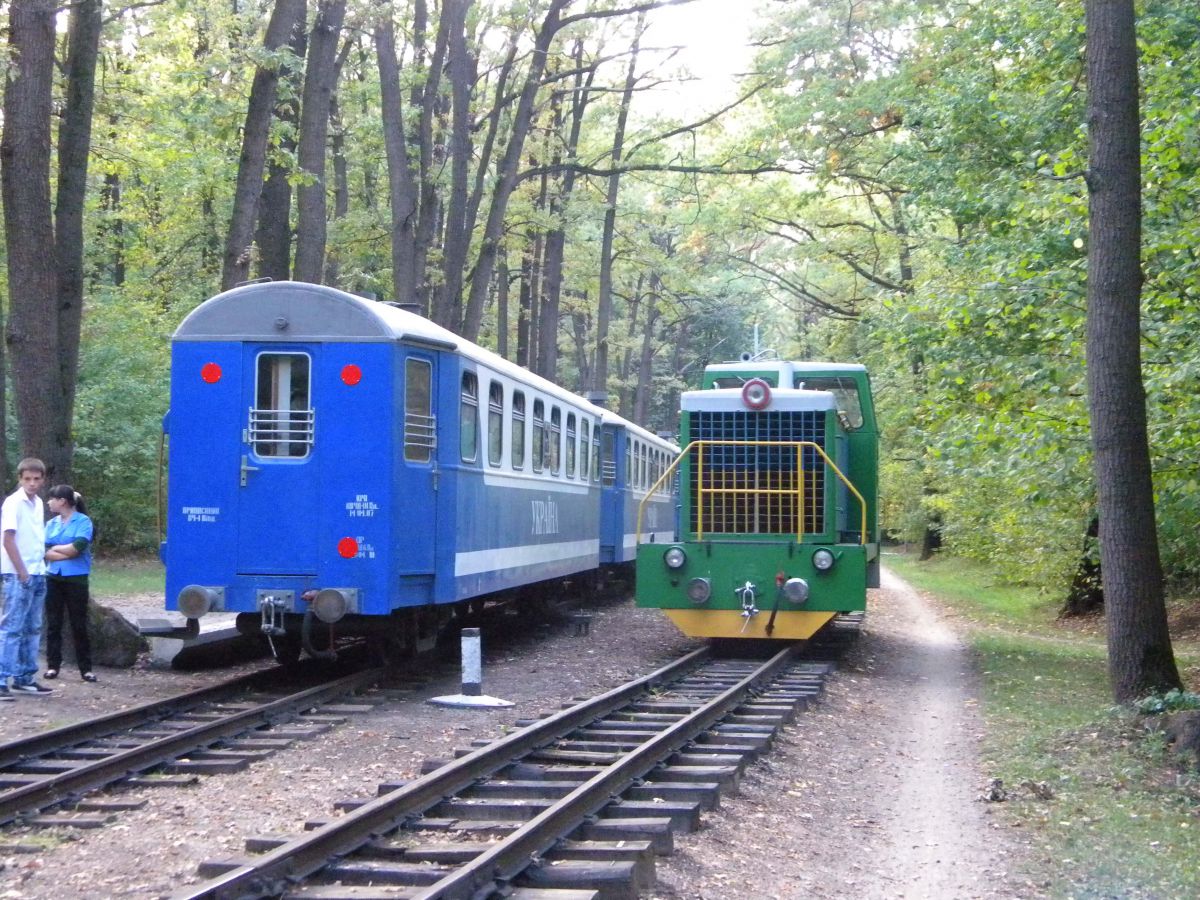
x: 729, y: 623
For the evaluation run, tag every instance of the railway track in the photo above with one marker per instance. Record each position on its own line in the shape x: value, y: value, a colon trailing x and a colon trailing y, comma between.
x: 46, y: 779
x: 573, y: 806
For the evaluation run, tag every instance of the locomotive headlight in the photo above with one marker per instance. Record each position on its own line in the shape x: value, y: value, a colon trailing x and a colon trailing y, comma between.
x: 675, y: 558
x: 795, y: 590
x: 822, y: 560
x: 699, y: 590
x: 195, y: 600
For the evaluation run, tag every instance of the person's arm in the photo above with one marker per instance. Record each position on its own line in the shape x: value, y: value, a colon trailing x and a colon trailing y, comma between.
x: 10, y: 547
x: 60, y: 552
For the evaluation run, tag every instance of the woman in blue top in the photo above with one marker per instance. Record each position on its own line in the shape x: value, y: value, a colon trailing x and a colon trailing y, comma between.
x: 68, y: 563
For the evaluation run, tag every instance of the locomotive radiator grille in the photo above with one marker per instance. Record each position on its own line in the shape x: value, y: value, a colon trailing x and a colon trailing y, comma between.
x: 761, y: 476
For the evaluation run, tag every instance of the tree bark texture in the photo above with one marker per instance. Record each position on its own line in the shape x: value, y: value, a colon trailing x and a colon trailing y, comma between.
x: 319, y: 74
x: 1140, y: 658
x: 461, y: 69
x: 287, y: 17
x: 74, y: 145
x: 401, y: 182
x: 506, y: 176
x: 33, y: 336
x: 604, y: 302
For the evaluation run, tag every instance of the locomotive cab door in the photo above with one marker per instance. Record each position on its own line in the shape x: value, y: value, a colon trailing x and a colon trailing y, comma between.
x: 278, y: 477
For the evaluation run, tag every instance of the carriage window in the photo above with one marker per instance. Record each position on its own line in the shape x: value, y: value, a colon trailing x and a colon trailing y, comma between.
x: 570, y: 445
x: 468, y: 418
x: 584, y: 446
x: 518, y: 430
x: 596, y: 453
x: 419, y: 432
x: 539, y: 435
x: 555, y: 446
x: 281, y: 420
x: 495, y: 422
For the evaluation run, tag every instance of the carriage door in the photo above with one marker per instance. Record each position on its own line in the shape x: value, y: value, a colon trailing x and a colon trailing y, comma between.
x: 277, y: 499
x: 418, y: 483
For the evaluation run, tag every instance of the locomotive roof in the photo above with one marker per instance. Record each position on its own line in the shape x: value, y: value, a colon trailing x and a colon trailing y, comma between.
x: 298, y: 312
x: 784, y: 367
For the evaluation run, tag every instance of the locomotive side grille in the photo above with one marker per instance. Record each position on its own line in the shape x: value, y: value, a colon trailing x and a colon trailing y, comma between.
x: 762, y: 484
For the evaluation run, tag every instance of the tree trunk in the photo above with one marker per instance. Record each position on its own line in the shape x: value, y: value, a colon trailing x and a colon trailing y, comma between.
x: 319, y: 77
x: 274, y: 233
x: 1086, y: 594
x: 604, y: 302
x: 341, y: 178
x: 287, y: 17
x: 641, y: 395
x: 506, y: 176
x: 402, y: 187
x: 461, y: 69
x: 74, y: 147
x: 1140, y: 657
x: 33, y: 333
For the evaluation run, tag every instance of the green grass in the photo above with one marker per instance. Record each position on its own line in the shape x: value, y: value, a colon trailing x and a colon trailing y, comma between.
x: 1124, y: 818
x: 127, y: 575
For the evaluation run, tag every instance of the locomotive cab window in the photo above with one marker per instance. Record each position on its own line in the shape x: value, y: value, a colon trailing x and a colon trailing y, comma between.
x: 468, y: 418
x: 845, y: 393
x: 281, y: 420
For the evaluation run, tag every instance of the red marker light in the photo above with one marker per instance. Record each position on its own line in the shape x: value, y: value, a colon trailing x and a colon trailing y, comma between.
x: 211, y: 373
x: 756, y: 394
x: 348, y: 548
x: 351, y: 374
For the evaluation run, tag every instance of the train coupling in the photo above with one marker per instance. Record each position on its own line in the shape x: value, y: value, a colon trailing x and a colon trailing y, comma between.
x: 272, y: 608
x: 748, y: 594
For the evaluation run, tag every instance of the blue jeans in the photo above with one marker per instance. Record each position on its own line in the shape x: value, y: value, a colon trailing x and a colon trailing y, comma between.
x: 21, y: 628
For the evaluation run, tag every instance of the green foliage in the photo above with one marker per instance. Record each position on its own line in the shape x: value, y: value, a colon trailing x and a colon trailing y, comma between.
x: 1172, y: 701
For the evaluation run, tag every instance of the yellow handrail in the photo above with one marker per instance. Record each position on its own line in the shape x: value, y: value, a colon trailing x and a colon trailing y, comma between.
x: 798, y: 490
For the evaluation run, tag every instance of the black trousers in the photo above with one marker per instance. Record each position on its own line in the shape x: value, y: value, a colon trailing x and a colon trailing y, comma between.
x: 71, y: 597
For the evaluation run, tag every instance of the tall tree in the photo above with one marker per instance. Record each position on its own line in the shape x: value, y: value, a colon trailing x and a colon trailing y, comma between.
x: 320, y: 75
x: 34, y: 336
x: 286, y: 18
x: 1140, y: 658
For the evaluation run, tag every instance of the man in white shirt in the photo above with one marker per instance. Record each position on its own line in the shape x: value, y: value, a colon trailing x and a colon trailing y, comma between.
x: 23, y: 571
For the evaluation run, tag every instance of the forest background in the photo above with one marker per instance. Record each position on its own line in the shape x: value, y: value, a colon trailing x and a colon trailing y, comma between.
x: 894, y: 183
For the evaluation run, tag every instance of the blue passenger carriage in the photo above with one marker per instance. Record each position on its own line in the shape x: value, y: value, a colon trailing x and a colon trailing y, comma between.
x: 336, y: 461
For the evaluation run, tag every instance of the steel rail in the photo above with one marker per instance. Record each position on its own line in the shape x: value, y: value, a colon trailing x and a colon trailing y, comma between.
x: 69, y: 735
x: 508, y: 857
x: 271, y: 874
x: 56, y: 789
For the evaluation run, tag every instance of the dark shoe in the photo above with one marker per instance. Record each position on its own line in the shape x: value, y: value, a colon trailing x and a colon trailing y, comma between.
x: 88, y: 676
x: 5, y: 694
x: 33, y: 689
x: 51, y: 674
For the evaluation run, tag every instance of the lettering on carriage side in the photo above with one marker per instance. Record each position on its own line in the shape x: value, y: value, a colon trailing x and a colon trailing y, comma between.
x: 201, y: 513
x: 361, y: 507
x: 365, y: 550
x: 545, y: 516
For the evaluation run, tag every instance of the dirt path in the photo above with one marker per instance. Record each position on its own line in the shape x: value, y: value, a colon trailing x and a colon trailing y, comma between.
x: 875, y: 792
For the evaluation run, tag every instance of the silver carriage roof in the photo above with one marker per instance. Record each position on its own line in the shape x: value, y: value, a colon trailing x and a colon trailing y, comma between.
x: 298, y: 312
x: 782, y: 400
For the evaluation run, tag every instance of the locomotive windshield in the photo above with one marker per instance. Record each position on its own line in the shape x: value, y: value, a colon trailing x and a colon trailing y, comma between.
x: 845, y: 392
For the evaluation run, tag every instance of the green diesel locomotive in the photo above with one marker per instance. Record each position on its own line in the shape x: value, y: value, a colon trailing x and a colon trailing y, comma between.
x: 778, y: 519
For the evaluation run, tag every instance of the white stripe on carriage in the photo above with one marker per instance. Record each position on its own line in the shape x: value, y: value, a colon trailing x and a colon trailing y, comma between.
x: 650, y: 537
x: 498, y: 560
x: 535, y: 483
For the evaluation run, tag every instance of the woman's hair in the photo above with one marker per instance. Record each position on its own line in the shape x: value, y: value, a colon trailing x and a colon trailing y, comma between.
x: 68, y: 493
